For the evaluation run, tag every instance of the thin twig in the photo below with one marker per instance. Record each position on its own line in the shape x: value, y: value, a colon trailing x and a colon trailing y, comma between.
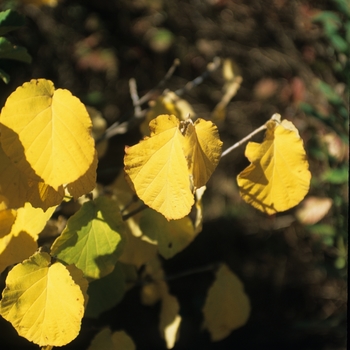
x: 276, y: 117
x: 134, y: 212
x: 205, y: 268
x: 135, y: 98
x: 211, y: 67
x: 248, y: 137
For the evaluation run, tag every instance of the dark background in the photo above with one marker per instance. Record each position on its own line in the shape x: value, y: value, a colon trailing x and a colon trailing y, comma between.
x: 292, y: 274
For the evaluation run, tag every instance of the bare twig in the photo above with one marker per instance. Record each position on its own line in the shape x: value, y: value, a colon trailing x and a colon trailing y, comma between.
x: 211, y: 67
x: 134, y: 212
x: 276, y: 117
x: 135, y: 98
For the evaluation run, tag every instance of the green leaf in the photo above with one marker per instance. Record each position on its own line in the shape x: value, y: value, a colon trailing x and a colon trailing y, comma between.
x: 13, y: 52
x: 339, y: 43
x: 4, y: 76
x: 329, y: 93
x: 10, y: 20
x: 322, y: 230
x: 106, y: 292
x: 93, y: 238
x: 330, y: 21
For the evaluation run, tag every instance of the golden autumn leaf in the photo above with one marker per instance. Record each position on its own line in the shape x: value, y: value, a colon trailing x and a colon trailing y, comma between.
x: 20, y: 241
x: 46, y: 133
x: 43, y: 302
x: 166, y: 167
x: 226, y: 307
x: 278, y: 177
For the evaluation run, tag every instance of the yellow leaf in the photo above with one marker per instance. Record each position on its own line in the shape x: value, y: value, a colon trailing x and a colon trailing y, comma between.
x: 46, y: 133
x: 137, y: 251
x: 166, y: 167
x: 106, y: 340
x: 169, y: 103
x: 171, y: 236
x: 16, y: 248
x: 31, y: 220
x: 278, y: 177
x: 158, y: 169
x: 202, y: 150
x: 86, y: 183
x: 20, y: 242
x: 42, y: 301
x: 16, y: 188
x: 227, y: 307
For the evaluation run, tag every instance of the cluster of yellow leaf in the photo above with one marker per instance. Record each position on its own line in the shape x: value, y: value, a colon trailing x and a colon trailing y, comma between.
x: 278, y: 177
x: 166, y: 168
x: 46, y: 150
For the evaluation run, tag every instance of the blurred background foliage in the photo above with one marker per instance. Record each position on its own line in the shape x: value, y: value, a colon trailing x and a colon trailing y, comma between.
x: 294, y: 60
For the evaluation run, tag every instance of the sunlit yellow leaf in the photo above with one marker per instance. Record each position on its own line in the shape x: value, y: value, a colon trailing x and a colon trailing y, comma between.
x: 158, y: 169
x: 278, y: 177
x: 169, y: 103
x: 166, y: 167
x: 20, y: 241
x: 16, y: 188
x: 31, y: 220
x: 106, y: 340
x: 227, y: 307
x: 42, y: 301
x: 171, y: 236
x: 202, y: 150
x: 46, y: 133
